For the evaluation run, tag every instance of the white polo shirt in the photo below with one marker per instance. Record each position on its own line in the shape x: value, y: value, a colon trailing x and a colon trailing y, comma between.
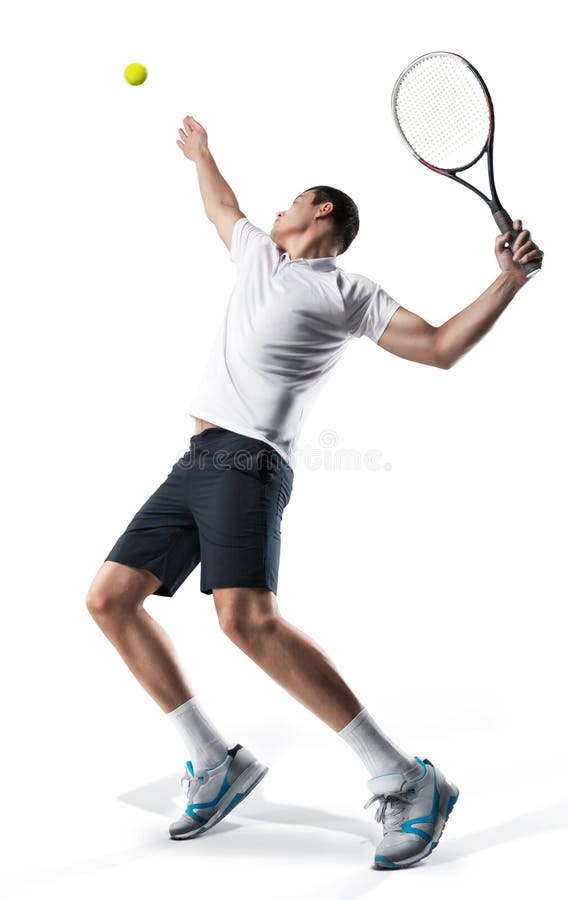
x: 286, y: 325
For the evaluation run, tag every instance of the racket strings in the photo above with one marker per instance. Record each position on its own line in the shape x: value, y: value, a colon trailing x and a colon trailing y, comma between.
x: 442, y: 111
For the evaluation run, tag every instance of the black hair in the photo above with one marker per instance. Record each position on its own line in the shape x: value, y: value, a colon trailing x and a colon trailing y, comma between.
x: 344, y: 214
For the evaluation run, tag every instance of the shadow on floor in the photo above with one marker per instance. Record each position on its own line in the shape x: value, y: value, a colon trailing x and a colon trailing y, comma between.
x: 293, y: 842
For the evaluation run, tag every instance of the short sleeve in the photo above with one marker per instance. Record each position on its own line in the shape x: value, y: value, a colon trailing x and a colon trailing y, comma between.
x: 246, y: 240
x: 368, y: 308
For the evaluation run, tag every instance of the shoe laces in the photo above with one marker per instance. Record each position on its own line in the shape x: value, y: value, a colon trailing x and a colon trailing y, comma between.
x: 390, y: 810
x: 193, y: 782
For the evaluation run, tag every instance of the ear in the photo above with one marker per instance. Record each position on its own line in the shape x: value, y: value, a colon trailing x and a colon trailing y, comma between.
x: 326, y: 209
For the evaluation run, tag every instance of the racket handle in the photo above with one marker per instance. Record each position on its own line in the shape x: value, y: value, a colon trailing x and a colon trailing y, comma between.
x: 505, y: 223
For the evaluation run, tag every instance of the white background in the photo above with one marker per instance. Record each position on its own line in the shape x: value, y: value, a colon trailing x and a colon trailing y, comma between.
x: 436, y: 585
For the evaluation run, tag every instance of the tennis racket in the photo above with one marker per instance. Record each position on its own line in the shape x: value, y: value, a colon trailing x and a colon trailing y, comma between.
x: 444, y: 115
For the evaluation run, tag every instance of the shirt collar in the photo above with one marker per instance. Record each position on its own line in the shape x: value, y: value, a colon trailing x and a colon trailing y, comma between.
x: 322, y: 263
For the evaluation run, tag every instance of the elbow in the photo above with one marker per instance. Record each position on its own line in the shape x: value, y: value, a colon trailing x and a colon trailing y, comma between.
x: 442, y: 360
x: 440, y: 356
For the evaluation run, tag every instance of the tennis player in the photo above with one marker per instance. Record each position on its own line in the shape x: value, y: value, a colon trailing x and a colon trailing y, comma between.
x: 290, y: 316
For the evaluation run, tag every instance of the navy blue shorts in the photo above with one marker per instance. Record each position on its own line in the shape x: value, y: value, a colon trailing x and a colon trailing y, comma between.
x: 221, y: 505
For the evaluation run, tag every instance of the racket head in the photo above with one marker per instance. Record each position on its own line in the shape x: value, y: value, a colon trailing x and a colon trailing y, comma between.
x: 443, y: 111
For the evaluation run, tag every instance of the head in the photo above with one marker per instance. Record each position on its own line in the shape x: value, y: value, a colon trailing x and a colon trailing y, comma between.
x: 323, y: 221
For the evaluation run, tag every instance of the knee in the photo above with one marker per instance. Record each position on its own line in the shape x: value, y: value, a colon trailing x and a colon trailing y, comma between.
x: 106, y: 603
x: 246, y: 614
x: 100, y: 603
x: 246, y: 630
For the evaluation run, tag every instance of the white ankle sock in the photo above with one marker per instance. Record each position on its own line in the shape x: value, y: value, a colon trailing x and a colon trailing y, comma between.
x: 376, y: 750
x: 205, y: 745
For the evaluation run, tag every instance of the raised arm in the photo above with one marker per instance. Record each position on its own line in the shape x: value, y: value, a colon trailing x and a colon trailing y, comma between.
x: 220, y: 203
x: 411, y: 337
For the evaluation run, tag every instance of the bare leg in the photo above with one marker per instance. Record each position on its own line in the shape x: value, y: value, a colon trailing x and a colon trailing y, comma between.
x: 250, y: 618
x: 115, y: 601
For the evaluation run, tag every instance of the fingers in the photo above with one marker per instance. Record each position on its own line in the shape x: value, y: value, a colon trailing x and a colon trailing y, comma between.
x: 502, y: 239
x: 528, y: 252
x: 523, y: 232
x: 520, y: 239
x: 192, y: 124
x: 521, y: 249
x: 187, y: 121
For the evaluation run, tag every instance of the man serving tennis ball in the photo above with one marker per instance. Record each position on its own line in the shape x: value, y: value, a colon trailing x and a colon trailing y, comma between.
x: 291, y: 314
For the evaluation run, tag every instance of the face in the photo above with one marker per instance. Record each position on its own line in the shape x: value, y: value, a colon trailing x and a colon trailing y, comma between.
x: 293, y: 220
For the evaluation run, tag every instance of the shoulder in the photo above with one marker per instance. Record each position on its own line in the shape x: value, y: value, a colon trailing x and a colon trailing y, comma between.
x: 246, y: 238
x: 368, y: 306
x: 354, y: 286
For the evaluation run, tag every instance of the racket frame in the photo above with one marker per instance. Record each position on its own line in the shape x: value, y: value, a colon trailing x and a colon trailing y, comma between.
x: 500, y: 215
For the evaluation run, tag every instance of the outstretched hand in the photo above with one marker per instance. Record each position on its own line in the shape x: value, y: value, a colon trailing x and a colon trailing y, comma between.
x: 192, y: 139
x: 512, y: 259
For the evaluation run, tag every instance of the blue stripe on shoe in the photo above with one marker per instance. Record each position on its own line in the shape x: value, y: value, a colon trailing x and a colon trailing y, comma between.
x: 424, y: 767
x: 190, y: 811
x: 234, y: 801
x: 191, y: 769
x: 385, y: 861
x: 408, y: 827
x: 193, y: 815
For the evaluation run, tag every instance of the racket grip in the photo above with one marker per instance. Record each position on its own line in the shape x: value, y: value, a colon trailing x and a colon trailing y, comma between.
x: 505, y: 223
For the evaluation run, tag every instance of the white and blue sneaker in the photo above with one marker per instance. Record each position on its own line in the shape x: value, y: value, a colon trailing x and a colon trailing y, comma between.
x: 215, y: 791
x: 413, y: 812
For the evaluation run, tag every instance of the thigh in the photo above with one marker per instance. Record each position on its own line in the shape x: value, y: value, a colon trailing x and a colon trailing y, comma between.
x: 240, y: 488
x: 162, y: 537
x: 238, y: 496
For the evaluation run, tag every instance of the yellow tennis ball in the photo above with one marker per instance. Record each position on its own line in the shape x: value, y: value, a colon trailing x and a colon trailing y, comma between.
x: 135, y: 73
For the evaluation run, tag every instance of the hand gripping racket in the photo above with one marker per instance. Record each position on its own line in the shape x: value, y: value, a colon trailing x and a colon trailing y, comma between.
x: 444, y: 115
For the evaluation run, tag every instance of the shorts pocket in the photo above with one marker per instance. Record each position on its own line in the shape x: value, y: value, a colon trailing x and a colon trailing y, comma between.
x: 266, y: 463
x: 284, y: 494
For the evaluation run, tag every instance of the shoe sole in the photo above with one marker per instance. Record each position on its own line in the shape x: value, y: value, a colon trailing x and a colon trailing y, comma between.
x: 448, y: 800
x: 240, y: 788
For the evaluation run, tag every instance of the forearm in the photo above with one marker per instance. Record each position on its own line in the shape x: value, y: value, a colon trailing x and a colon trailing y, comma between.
x: 460, y: 333
x: 214, y: 189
